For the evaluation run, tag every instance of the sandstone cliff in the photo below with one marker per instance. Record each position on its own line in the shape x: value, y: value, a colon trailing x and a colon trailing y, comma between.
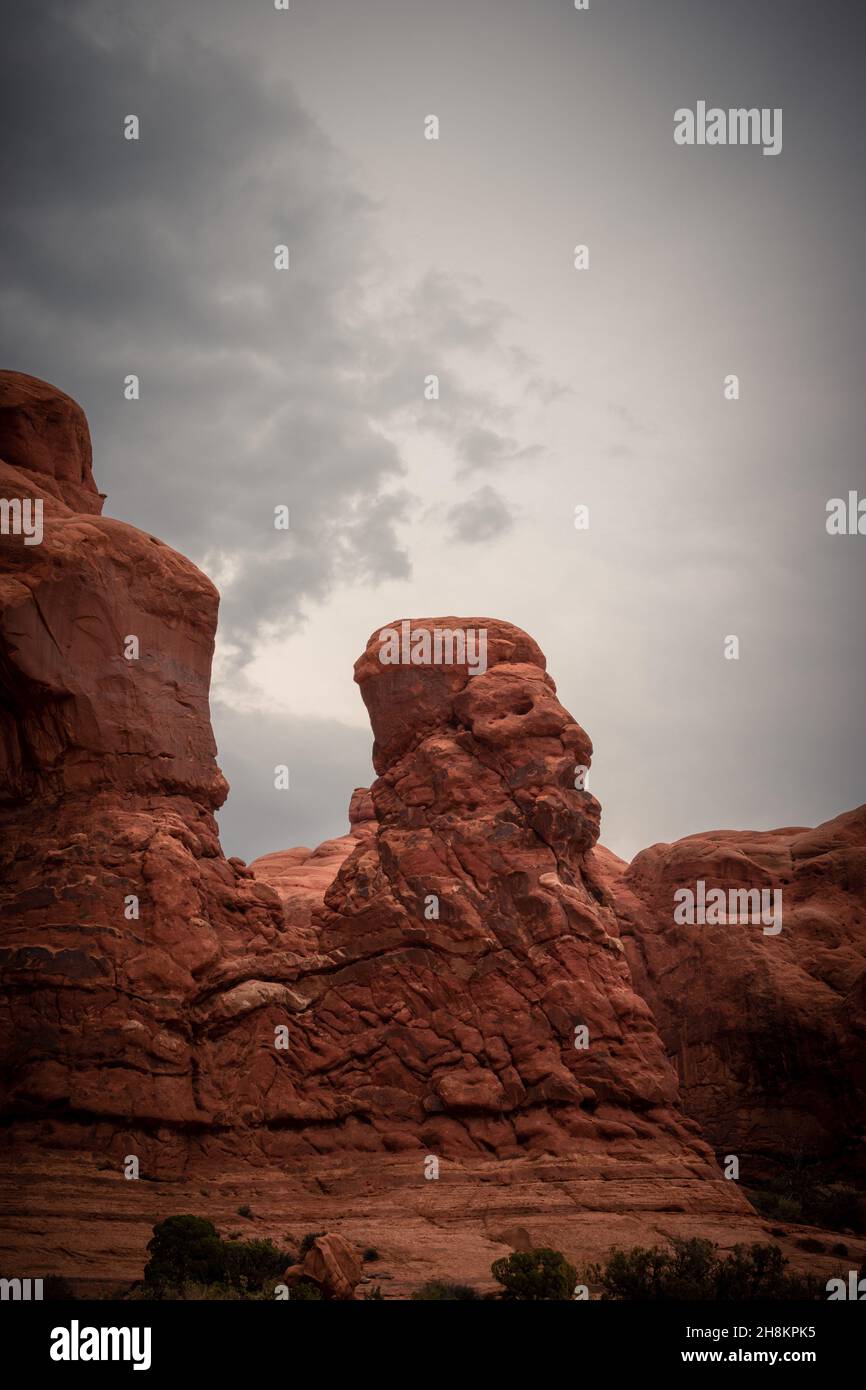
x: 768, y: 1031
x: 465, y: 975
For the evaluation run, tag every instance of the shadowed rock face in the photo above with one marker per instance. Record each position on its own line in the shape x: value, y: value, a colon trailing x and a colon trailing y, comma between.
x: 768, y: 1031
x: 108, y: 781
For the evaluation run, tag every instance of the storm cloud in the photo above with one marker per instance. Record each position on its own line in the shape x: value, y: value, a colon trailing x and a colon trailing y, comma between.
x: 453, y: 259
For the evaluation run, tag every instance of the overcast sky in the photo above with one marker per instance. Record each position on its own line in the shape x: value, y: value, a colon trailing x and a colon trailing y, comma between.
x: 558, y: 387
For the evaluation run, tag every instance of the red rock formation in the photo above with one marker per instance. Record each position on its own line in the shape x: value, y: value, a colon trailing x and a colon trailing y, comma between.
x: 108, y: 782
x: 768, y: 1030
x: 333, y: 1263
x: 468, y: 944
x: 44, y: 432
x: 408, y: 991
x: 374, y: 1020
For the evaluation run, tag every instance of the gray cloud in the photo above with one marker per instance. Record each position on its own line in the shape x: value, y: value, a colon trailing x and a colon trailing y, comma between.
x: 156, y: 257
x: 482, y: 517
x: 556, y: 387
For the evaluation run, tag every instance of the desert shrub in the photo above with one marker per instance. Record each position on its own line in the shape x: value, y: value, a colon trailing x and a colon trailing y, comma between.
x: 307, y: 1242
x: 184, y: 1250
x: 56, y: 1289
x: 370, y: 1254
x: 837, y: 1207
x: 535, y: 1274
x: 809, y: 1243
x: 245, y: 1211
x: 248, y: 1264
x: 439, y: 1291
x: 187, y: 1252
x: 797, y: 1198
x: 306, y: 1291
x: 694, y: 1270
x: 198, y: 1293
x: 776, y: 1205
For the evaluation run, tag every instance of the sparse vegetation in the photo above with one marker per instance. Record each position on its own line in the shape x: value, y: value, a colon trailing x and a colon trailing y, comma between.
x: 307, y: 1291
x: 187, y: 1252
x: 541, y: 1274
x: 440, y: 1291
x: 815, y: 1247
x: 56, y: 1289
x: 307, y: 1242
x: 796, y: 1198
x: 694, y: 1269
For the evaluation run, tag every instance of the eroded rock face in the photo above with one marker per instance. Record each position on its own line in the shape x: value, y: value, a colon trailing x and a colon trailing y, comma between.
x: 463, y: 944
x: 768, y: 1029
x: 410, y: 991
x: 44, y: 432
x: 333, y: 1263
x: 413, y: 987
x: 115, y: 898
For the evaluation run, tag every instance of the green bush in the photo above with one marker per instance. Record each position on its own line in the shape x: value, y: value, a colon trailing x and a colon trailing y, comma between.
x: 535, y: 1274
x: 797, y: 1198
x: 249, y: 1264
x: 694, y: 1270
x: 439, y: 1291
x: 188, y: 1251
x: 184, y: 1250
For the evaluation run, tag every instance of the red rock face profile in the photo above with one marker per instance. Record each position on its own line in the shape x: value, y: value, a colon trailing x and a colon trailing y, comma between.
x: 464, y: 981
